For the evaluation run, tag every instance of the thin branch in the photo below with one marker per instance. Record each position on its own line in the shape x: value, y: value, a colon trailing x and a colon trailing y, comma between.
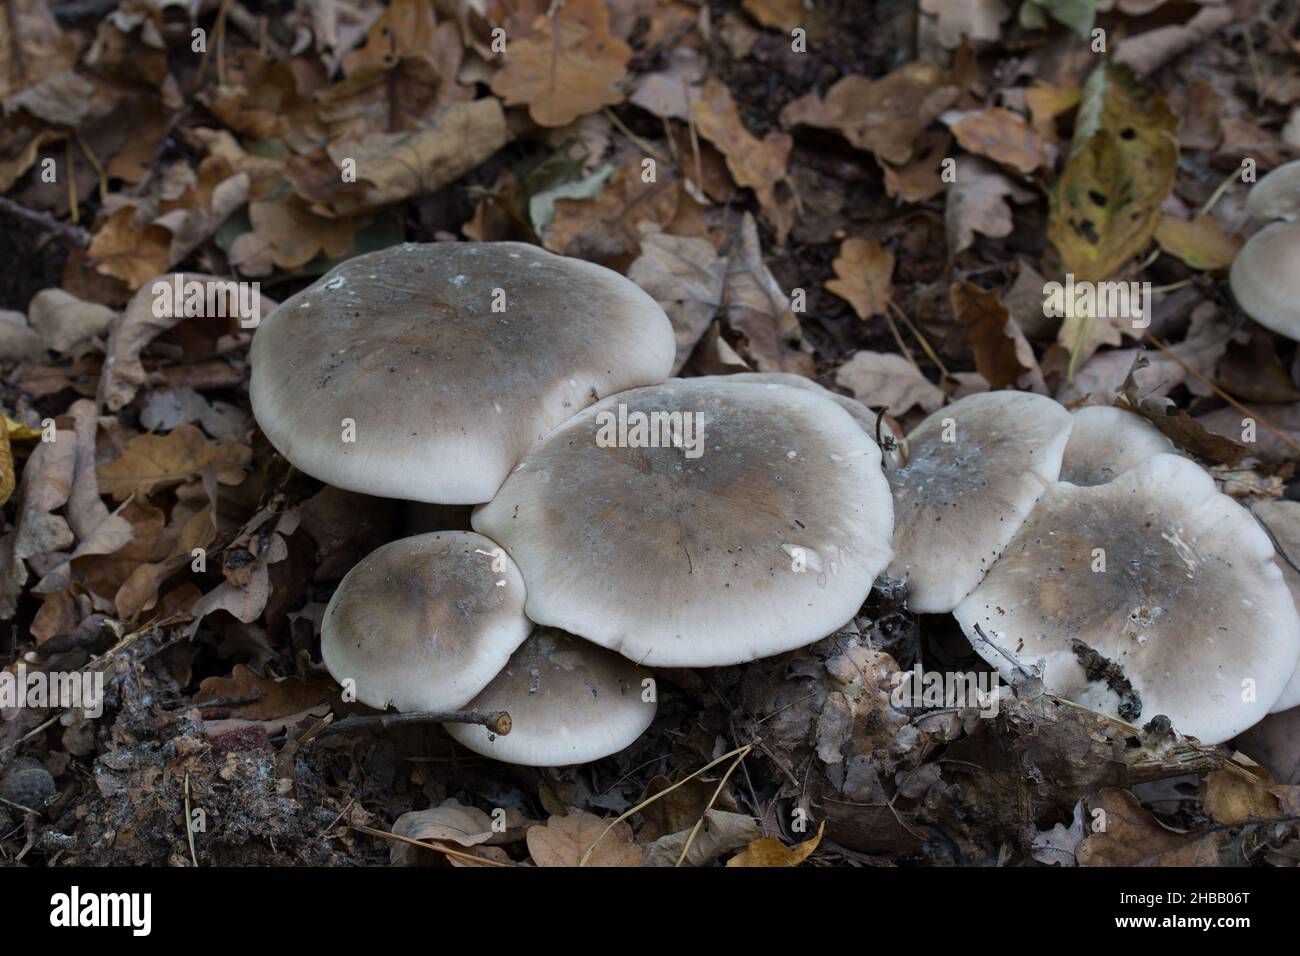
x: 498, y: 721
x: 73, y: 235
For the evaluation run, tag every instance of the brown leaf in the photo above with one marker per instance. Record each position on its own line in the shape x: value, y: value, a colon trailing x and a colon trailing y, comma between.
x: 1002, y: 136
x: 450, y: 821
x: 151, y: 461
x: 980, y: 20
x: 1133, y: 837
x: 562, y: 841
x: 977, y: 202
x: 32, y: 47
x: 864, y: 272
x: 770, y: 851
x: 565, y: 68
x: 1199, y: 242
x: 757, y: 309
x: 987, y: 322
x: 271, y: 697
x: 886, y: 378
x: 757, y: 164
x: 64, y: 321
x: 884, y: 116
x: 125, y: 250
x: 1232, y: 799
x: 686, y: 276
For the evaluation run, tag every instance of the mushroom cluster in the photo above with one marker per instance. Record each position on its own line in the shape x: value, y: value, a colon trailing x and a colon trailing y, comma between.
x: 675, y: 522
x: 1078, y: 546
x: 1264, y: 279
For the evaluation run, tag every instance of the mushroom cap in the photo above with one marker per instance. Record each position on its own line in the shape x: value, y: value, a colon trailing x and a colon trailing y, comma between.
x: 424, y: 623
x: 958, y: 502
x: 446, y: 394
x: 1265, y: 281
x: 1107, y: 441
x: 1277, y: 195
x: 1189, y: 606
x: 769, y: 539
x: 1282, y: 521
x: 864, y: 416
x: 569, y: 702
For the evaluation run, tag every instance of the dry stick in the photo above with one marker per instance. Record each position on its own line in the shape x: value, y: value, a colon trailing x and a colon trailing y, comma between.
x: 925, y: 343
x: 1268, y: 426
x: 636, y: 140
x: 902, y: 346
x: 1256, y: 74
x: 497, y: 721
x: 221, y: 41
x: 649, y: 800
x: 1218, y: 193
x: 436, y: 847
x: 73, y: 235
x: 709, y: 806
x: 189, y: 828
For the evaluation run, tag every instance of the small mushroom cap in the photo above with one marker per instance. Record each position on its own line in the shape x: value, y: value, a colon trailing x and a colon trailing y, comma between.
x: 1281, y: 519
x: 445, y: 393
x: 972, y: 473
x: 1188, y: 615
x: 1107, y: 441
x: 569, y: 702
x: 768, y: 539
x: 425, y: 622
x: 1277, y: 195
x: 1265, y: 281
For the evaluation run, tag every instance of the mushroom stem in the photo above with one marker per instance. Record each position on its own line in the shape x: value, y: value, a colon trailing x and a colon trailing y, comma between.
x: 496, y: 721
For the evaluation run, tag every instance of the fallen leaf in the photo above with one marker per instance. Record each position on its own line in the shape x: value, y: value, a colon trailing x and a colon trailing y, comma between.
x: 1106, y: 204
x: 977, y: 202
x: 1133, y: 837
x: 450, y: 821
x: 564, y: 840
x: 263, y: 698
x: 1231, y: 799
x: 131, y: 251
x: 1002, y: 136
x: 987, y: 322
x: 686, y: 276
x: 64, y: 321
x: 721, y: 833
x: 888, y: 379
x: 151, y: 461
x: 864, y: 272
x: 770, y: 851
x: 757, y: 309
x: 979, y: 20
x: 1199, y: 242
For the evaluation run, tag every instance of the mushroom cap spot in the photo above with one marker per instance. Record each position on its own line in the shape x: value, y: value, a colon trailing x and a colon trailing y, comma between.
x: 424, y: 623
x: 1189, y: 607
x: 1107, y: 441
x: 1265, y: 281
x: 957, y: 503
x: 691, y: 562
x: 569, y: 702
x: 447, y: 395
x: 1282, y: 519
x: 1277, y: 195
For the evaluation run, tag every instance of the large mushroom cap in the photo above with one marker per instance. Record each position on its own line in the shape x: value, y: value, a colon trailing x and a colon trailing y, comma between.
x: 425, y: 622
x: 767, y: 536
x: 1265, y: 281
x: 1152, y: 594
x: 446, y: 394
x: 972, y: 473
x: 1107, y: 441
x: 1281, y: 519
x: 569, y: 702
x: 1277, y: 195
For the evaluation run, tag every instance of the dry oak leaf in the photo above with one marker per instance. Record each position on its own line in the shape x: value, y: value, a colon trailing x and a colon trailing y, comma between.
x: 757, y: 309
x: 888, y: 379
x: 1232, y: 799
x: 994, y: 344
x: 1199, y: 242
x: 864, y: 272
x: 757, y: 164
x: 563, y: 841
x: 268, y: 697
x: 977, y: 202
x: 1106, y: 203
x: 449, y: 821
x: 130, y: 252
x: 1002, y: 136
x: 770, y: 851
x: 1131, y: 836
x: 562, y: 70
x: 400, y: 166
x: 288, y: 235
x: 686, y: 276
x: 151, y: 461
x: 884, y: 116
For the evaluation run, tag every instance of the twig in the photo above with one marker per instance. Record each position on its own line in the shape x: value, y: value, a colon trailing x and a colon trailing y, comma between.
x: 636, y: 140
x: 189, y: 826
x: 436, y: 847
x: 925, y: 343
x: 744, y: 752
x: 498, y: 721
x: 73, y: 235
